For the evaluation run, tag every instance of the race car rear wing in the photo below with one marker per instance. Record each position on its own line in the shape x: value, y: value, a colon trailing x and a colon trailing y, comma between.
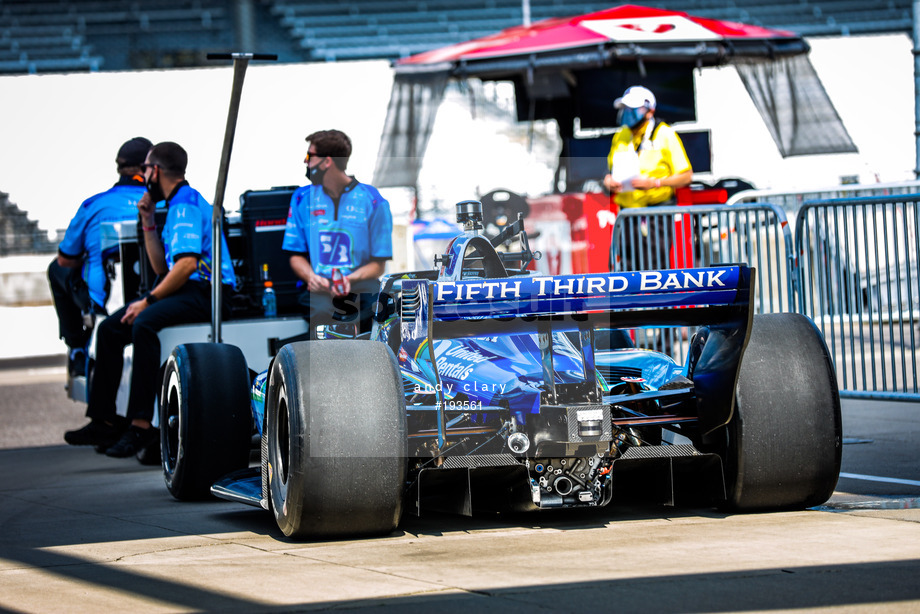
x: 479, y: 307
x: 719, y: 298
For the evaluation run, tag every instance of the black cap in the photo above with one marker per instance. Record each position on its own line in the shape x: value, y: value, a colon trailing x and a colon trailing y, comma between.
x: 133, y: 152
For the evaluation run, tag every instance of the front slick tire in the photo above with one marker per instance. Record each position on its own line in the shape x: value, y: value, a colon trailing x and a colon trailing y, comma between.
x: 336, y: 428
x: 785, y: 438
x: 205, y: 419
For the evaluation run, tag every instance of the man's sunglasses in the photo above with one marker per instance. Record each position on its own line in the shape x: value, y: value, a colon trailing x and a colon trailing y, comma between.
x: 145, y: 166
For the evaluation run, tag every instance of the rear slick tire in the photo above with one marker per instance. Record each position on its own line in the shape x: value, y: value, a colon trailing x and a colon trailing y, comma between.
x: 205, y: 418
x: 784, y: 440
x: 336, y: 428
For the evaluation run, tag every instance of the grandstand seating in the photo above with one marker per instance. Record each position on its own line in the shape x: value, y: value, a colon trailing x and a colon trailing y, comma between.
x: 358, y: 29
x: 61, y: 35
x: 42, y: 41
x: 54, y: 35
x: 19, y: 234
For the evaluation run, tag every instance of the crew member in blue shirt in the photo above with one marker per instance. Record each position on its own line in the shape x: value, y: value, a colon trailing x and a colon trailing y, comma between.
x: 78, y: 280
x: 337, y: 222
x: 181, y: 256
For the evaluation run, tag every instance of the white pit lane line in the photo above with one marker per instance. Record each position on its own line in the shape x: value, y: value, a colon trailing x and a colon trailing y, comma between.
x: 842, y: 502
x: 875, y: 478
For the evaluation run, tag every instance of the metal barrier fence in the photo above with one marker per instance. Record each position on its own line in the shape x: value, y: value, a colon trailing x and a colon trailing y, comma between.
x: 791, y: 202
x: 678, y: 237
x: 858, y: 273
x: 853, y: 269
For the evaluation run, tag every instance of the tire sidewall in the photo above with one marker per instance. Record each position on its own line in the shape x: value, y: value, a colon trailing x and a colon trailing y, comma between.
x: 284, y: 478
x: 172, y: 453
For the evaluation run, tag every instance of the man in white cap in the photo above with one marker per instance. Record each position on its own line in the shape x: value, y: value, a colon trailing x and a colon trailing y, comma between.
x: 647, y: 163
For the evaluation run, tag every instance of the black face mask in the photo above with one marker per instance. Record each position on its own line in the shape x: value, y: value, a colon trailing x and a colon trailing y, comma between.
x: 316, y: 174
x: 156, y: 192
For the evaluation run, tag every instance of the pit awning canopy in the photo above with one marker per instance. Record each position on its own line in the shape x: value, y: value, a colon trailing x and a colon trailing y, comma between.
x: 574, y: 67
x: 621, y: 33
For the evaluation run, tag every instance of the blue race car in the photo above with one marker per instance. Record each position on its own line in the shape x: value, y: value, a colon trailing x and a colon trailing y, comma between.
x: 480, y: 387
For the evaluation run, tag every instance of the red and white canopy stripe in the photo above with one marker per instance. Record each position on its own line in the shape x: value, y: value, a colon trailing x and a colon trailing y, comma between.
x: 622, y: 25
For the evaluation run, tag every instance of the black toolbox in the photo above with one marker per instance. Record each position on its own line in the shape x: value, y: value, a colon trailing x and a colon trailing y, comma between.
x: 264, y: 216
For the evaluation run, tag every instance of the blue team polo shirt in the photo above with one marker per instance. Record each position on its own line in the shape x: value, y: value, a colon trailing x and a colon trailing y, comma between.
x: 344, y: 235
x: 187, y: 232
x: 83, y: 238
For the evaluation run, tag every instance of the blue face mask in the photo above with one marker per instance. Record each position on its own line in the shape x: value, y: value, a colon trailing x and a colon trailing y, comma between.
x: 630, y: 117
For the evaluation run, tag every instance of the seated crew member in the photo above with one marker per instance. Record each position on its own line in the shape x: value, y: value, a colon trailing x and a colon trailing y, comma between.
x: 79, y: 284
x: 181, y: 257
x: 337, y: 223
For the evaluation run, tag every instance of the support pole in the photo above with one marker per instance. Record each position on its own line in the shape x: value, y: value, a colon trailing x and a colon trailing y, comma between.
x: 240, y: 63
x: 244, y: 18
x: 916, y: 52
